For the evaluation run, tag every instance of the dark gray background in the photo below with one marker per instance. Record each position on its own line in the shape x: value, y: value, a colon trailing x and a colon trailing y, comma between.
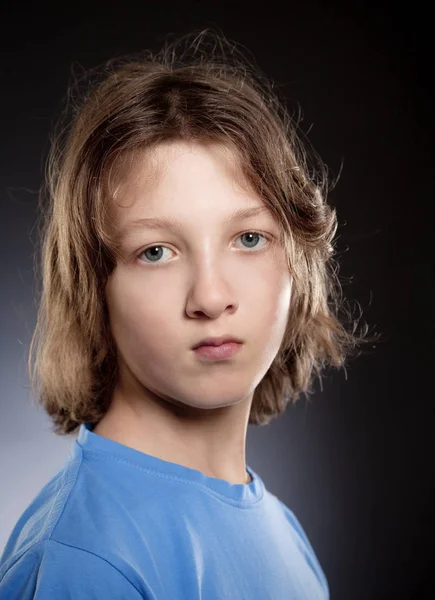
x: 355, y: 464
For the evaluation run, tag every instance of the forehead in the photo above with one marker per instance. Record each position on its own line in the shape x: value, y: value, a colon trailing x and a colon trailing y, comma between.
x: 172, y: 164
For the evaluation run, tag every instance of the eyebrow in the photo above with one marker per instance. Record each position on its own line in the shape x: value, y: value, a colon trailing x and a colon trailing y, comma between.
x: 176, y: 226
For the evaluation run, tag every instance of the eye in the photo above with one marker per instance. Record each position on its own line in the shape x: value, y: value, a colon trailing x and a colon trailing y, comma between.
x: 154, y: 253
x: 253, y: 234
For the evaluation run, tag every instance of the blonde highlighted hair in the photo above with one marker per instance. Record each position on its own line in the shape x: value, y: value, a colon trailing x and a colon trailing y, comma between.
x: 198, y: 88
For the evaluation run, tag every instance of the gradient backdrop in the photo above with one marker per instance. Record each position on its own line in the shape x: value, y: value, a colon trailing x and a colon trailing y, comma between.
x: 355, y: 464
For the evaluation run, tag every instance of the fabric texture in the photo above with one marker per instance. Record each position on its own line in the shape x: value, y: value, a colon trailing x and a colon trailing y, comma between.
x: 116, y: 523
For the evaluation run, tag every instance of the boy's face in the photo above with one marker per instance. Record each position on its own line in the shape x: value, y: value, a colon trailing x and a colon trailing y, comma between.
x: 205, y: 280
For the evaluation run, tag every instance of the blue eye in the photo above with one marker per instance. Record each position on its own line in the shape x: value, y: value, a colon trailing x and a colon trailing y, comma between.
x: 252, y: 233
x: 153, y: 253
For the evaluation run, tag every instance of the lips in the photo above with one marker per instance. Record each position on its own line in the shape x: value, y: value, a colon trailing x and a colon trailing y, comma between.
x: 217, y: 341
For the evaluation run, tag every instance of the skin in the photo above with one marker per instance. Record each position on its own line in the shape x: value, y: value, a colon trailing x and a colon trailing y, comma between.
x: 207, y: 280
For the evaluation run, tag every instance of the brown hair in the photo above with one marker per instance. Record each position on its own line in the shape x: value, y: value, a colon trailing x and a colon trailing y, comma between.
x: 199, y: 93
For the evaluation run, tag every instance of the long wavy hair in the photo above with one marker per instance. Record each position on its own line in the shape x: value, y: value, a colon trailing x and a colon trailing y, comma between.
x: 199, y: 88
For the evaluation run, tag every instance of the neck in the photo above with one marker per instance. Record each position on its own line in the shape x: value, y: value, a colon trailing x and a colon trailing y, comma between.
x: 212, y: 441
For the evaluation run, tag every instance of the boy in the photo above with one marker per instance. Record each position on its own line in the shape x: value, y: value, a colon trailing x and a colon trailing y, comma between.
x: 185, y: 296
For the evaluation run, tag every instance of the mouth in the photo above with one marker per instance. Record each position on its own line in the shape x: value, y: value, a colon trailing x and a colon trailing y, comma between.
x: 220, y: 352
x: 217, y: 341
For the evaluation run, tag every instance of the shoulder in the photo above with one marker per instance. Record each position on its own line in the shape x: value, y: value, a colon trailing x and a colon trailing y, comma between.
x: 51, y: 569
x: 303, y: 543
x: 294, y: 522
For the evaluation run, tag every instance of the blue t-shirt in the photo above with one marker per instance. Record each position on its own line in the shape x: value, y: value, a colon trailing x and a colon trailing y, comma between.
x: 116, y: 523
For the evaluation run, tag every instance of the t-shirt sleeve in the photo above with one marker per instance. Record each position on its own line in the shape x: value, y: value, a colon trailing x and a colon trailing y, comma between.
x: 51, y: 570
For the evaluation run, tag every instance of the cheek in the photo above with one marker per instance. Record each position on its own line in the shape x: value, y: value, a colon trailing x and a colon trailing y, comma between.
x: 270, y: 325
x: 138, y: 316
x: 271, y: 286
x: 274, y: 302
